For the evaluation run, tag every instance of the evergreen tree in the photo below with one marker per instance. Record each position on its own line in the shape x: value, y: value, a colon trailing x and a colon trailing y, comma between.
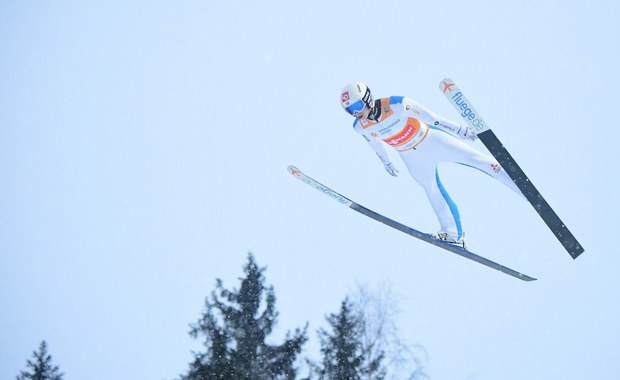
x: 41, y: 367
x: 235, y: 329
x: 343, y: 351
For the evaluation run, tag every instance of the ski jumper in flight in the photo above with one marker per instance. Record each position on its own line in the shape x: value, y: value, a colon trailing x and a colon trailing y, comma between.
x: 423, y: 140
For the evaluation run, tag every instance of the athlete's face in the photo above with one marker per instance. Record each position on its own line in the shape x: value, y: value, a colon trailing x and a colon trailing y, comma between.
x: 363, y: 114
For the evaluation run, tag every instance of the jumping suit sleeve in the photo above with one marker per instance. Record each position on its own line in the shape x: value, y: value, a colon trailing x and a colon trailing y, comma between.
x: 431, y: 119
x: 379, y: 148
x: 375, y: 143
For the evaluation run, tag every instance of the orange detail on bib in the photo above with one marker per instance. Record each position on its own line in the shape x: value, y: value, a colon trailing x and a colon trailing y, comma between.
x: 406, y: 134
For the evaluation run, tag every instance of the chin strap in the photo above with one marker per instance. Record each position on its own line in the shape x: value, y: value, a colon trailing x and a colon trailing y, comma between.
x: 374, y: 113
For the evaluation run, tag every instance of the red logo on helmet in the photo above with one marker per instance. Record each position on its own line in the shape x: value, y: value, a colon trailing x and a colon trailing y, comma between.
x: 345, y: 96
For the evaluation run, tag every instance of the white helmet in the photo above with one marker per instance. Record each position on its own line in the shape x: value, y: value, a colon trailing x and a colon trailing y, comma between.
x: 355, y: 96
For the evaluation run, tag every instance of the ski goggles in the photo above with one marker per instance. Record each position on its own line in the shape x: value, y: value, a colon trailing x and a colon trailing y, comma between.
x: 355, y: 107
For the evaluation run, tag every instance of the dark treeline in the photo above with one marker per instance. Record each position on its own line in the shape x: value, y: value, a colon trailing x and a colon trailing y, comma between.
x: 360, y: 341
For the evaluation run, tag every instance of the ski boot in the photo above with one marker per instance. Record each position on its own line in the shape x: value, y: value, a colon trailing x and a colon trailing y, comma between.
x: 443, y: 236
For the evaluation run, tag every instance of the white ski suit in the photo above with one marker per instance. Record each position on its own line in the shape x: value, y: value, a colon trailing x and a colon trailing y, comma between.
x: 424, y: 140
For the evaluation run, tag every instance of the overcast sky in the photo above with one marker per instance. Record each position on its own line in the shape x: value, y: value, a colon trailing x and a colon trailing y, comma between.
x: 143, y: 154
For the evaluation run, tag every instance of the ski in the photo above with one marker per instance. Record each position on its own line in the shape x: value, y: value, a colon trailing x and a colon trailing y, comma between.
x: 403, y: 228
x: 465, y: 109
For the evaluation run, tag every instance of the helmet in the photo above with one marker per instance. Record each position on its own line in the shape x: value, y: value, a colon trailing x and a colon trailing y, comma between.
x: 354, y: 97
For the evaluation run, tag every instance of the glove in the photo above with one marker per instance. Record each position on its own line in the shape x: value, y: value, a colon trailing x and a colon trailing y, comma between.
x: 390, y: 168
x: 467, y: 133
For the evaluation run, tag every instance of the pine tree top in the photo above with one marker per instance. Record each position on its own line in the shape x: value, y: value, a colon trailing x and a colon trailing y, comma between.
x: 41, y: 367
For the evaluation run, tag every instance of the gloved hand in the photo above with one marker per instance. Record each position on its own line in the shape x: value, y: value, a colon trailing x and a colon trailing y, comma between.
x: 390, y: 168
x: 467, y: 133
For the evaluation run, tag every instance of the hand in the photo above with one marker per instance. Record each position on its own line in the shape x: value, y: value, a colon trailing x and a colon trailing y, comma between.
x: 390, y: 168
x: 467, y: 133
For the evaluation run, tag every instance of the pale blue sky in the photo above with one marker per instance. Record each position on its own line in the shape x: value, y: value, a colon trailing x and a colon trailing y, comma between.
x: 143, y: 153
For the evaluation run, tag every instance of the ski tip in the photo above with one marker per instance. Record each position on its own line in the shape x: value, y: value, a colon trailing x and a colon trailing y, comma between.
x: 446, y: 85
x: 293, y: 170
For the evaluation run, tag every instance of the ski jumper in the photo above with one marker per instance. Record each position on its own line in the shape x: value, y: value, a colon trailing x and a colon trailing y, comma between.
x: 424, y: 140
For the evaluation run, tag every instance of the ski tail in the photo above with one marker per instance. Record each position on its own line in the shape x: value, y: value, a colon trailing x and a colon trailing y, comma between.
x: 546, y: 212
